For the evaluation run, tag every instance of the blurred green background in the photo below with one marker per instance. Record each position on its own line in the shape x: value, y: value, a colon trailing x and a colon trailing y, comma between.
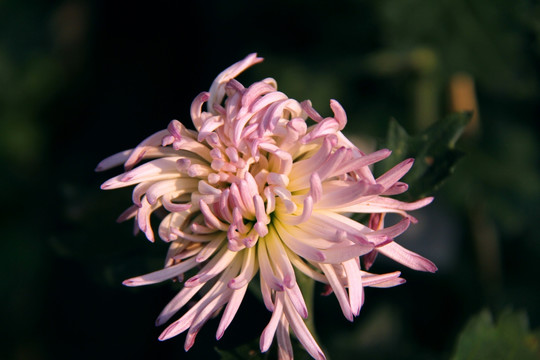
x: 80, y: 80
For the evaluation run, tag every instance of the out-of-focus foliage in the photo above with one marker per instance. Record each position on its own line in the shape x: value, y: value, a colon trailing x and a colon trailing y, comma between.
x: 248, y: 351
x: 508, y: 338
x: 433, y: 150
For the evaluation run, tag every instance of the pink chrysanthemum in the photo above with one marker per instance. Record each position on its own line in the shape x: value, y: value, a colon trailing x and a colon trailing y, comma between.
x: 257, y: 190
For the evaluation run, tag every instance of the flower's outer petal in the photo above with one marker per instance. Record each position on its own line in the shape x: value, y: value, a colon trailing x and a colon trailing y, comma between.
x: 270, y: 330
x: 181, y: 299
x: 381, y: 204
x: 149, y: 143
x: 354, y: 282
x: 340, y: 254
x: 161, y: 275
x: 214, y: 267
x: 216, y: 297
x: 164, y: 168
x: 113, y: 160
x: 390, y: 177
x: 285, y: 350
x: 391, y: 231
x: 217, y: 90
x: 383, y: 280
x: 396, y: 189
x: 301, y: 331
x: 339, y: 290
x: 295, y: 296
x: 230, y: 310
x: 361, y: 162
x: 407, y: 257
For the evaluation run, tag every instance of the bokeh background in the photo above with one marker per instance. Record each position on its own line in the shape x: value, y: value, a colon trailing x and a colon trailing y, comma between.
x: 80, y: 80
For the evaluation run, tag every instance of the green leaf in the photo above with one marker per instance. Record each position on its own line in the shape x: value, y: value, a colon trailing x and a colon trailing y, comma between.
x: 509, y: 338
x: 249, y: 351
x: 433, y: 150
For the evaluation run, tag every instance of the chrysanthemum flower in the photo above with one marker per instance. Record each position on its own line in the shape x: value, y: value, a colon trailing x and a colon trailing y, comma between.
x: 257, y: 189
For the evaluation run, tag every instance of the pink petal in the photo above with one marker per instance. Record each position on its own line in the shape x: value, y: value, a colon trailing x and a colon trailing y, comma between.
x: 302, y: 332
x: 407, y: 257
x: 230, y: 310
x: 339, y: 290
x: 113, y: 160
x: 269, y: 331
x: 267, y: 273
x: 285, y: 351
x: 218, y: 263
x: 138, y: 153
x: 249, y: 269
x: 383, y: 280
x: 340, y: 253
x: 217, y: 90
x: 354, y: 282
x: 279, y: 257
x: 298, y: 247
x: 196, y: 108
x: 339, y: 113
x: 163, y: 274
x: 390, y: 177
x: 181, y: 299
x: 297, y: 300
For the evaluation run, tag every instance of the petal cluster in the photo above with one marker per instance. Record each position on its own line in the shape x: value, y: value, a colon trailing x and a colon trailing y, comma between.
x: 263, y: 187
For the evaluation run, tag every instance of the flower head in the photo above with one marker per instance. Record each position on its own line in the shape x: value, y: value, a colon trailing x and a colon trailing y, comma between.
x: 263, y: 186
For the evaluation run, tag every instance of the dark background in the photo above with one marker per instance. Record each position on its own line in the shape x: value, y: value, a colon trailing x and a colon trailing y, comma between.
x: 80, y: 80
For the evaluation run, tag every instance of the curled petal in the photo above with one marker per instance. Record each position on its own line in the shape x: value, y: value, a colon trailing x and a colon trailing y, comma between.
x: 339, y: 113
x: 138, y: 153
x: 217, y: 90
